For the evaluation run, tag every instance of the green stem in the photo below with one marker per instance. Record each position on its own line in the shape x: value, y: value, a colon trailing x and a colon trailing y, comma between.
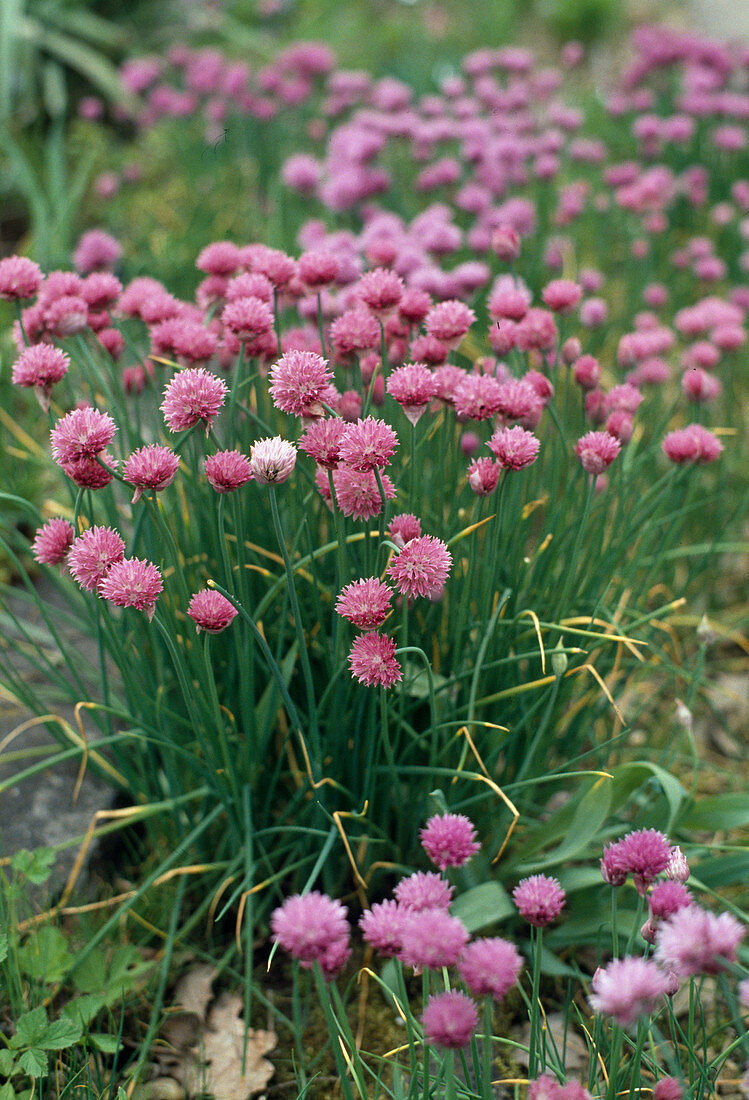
x: 486, y: 1049
x: 533, y: 1053
x: 323, y: 994
x: 450, y: 1086
x: 303, y: 654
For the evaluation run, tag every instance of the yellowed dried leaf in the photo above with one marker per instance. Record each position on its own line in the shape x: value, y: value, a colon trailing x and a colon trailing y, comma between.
x: 193, y: 992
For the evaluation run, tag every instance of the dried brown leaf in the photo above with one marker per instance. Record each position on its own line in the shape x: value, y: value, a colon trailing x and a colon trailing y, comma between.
x: 222, y: 1048
x: 194, y: 992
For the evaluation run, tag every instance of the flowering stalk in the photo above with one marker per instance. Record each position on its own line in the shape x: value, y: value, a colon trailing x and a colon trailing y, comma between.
x: 533, y: 1052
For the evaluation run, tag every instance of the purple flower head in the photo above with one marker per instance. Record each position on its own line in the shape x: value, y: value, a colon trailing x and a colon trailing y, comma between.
x: 666, y: 898
x: 41, y: 366
x: 300, y: 381
x: 668, y: 1088
x: 596, y: 451
x: 432, y: 938
x: 365, y: 603
x: 422, y: 566
x: 358, y: 493
x: 514, y: 448
x: 152, y: 467
x: 52, y: 542
x: 19, y: 278
x: 308, y: 925
x: 490, y: 967
x: 92, y: 554
x: 132, y: 582
x: 627, y: 989
x: 540, y: 899
x: 372, y: 660
x: 368, y: 444
x: 210, y: 611
x: 228, y: 470
x: 83, y: 433
x: 382, y: 926
x: 424, y: 890
x: 193, y: 395
x: 322, y: 441
x: 413, y: 387
x: 449, y: 840
x: 247, y: 317
x: 449, y: 1020
x: 696, y: 941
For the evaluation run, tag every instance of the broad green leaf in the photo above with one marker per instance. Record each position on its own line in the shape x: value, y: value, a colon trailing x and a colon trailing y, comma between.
x: 45, y: 956
x: 572, y: 879
x: 6, y: 1063
x: 34, y: 1062
x: 554, y: 967
x: 718, y: 811
x: 629, y: 777
x: 30, y: 1027
x: 7, y: 1092
x: 591, y: 812
x: 84, y: 1009
x: 90, y: 975
x: 719, y: 871
x: 107, y: 1044
x: 36, y: 866
x: 60, y: 1034
x: 482, y: 905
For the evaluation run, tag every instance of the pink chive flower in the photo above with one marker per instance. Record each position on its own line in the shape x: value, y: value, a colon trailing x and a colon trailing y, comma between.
x: 41, y: 366
x: 540, y: 899
x: 272, y: 460
x: 422, y: 567
x: 596, y: 451
x: 219, y: 258
x: 100, y: 289
x: 644, y: 853
x: 677, y: 867
x: 354, y: 331
x: 490, y: 967
x: 403, y: 528
x: 413, y: 387
x: 667, y: 897
x: 250, y: 284
x: 483, y: 476
x: 627, y: 989
x: 299, y: 383
x: 307, y: 925
x: 19, y: 278
x: 372, y: 660
x: 152, y: 467
x: 476, y: 396
x: 699, y: 386
x: 83, y: 433
x: 668, y: 1088
x: 96, y: 251
x: 693, y: 445
x: 424, y: 890
x: 380, y: 290
x: 192, y: 396
x: 228, y: 470
x: 368, y: 444
x: 358, y: 493
x: 92, y: 553
x: 52, y: 542
x: 318, y: 269
x: 382, y: 927
x: 562, y: 295
x: 449, y: 322
x: 365, y: 603
x: 449, y: 840
x: 432, y: 938
x: 514, y: 448
x: 322, y: 441
x: 210, y: 611
x: 696, y: 941
x: 247, y: 317
x: 449, y: 1020
x: 89, y: 473
x: 132, y: 582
